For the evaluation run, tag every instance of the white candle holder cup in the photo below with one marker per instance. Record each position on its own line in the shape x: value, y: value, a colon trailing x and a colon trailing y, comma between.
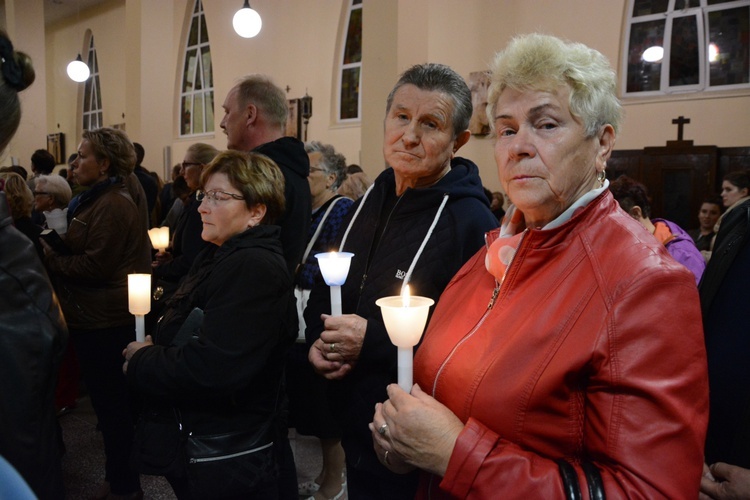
x: 334, y: 266
x: 139, y: 302
x: 159, y: 237
x: 405, y: 319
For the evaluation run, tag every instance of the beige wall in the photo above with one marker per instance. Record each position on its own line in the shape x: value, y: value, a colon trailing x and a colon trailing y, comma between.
x: 139, y: 43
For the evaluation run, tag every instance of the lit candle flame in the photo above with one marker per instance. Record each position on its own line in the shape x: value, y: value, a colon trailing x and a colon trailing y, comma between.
x: 405, y: 295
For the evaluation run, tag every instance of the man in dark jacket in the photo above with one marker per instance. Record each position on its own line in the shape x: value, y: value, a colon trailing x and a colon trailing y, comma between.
x: 421, y: 221
x: 32, y: 341
x: 724, y: 296
x: 255, y: 112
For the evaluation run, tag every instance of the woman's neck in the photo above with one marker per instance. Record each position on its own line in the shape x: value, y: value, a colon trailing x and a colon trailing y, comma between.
x: 322, y: 198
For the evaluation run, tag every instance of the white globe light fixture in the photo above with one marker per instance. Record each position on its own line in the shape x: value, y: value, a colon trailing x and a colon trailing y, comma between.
x: 247, y: 22
x: 78, y: 71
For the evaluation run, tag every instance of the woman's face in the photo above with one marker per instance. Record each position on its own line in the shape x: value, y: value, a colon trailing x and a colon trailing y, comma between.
x: 708, y: 215
x: 87, y: 170
x: 43, y: 200
x: 418, y: 140
x: 320, y: 181
x: 544, y: 159
x: 225, y: 217
x: 191, y: 171
x: 730, y: 193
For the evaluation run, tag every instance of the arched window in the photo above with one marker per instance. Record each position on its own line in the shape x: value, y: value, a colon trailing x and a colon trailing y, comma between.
x: 351, y: 65
x: 197, y: 87
x: 686, y: 46
x: 92, y: 93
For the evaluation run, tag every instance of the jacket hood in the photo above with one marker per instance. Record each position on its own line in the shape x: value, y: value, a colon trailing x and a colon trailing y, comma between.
x: 288, y: 153
x: 462, y: 181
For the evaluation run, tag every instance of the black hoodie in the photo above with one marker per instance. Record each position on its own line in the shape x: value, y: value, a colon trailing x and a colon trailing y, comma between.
x: 289, y: 154
x: 382, y: 258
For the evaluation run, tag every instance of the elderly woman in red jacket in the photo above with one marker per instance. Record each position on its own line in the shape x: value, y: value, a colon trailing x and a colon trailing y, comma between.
x: 548, y: 367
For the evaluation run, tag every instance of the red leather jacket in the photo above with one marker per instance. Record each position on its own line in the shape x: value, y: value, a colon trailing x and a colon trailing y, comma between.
x: 593, y: 350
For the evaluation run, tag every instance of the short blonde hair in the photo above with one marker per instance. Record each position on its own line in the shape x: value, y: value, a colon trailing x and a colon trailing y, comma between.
x: 257, y: 176
x: 544, y: 63
x: 113, y: 145
x: 19, y: 195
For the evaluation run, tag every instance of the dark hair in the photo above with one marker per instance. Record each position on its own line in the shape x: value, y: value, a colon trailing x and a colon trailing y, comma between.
x: 739, y: 178
x: 17, y: 74
x: 139, y: 153
x: 715, y: 199
x: 257, y: 176
x: 353, y: 169
x: 42, y: 162
x: 330, y: 161
x: 439, y: 78
x: 18, y: 169
x: 629, y: 193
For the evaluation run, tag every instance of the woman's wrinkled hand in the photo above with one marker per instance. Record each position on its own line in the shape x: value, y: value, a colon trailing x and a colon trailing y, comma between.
x: 337, y: 350
x: 132, y: 348
x: 420, y: 431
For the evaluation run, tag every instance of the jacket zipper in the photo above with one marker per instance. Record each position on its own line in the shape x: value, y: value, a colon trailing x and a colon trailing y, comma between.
x: 490, y: 305
x: 374, y: 247
x: 232, y: 455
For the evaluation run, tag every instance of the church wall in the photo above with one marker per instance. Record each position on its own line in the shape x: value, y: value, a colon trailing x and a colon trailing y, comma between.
x: 298, y: 47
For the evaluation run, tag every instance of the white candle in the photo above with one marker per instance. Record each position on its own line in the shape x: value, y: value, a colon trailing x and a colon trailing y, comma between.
x: 139, y: 302
x: 334, y: 266
x: 159, y: 237
x: 405, y: 318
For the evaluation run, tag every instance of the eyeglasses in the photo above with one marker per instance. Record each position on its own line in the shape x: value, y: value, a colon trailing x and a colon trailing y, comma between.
x: 316, y: 169
x: 186, y: 164
x: 215, y: 196
x: 41, y: 193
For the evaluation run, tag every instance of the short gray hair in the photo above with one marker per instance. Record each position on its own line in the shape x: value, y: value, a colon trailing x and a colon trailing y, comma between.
x: 439, y: 78
x: 56, y: 186
x: 330, y: 161
x: 264, y: 94
x: 544, y: 63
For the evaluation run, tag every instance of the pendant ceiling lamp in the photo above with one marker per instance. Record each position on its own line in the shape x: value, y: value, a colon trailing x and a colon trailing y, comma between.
x: 78, y: 71
x: 246, y: 21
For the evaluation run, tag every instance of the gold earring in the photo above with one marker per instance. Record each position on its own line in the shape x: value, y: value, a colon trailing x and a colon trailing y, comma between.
x: 600, y: 177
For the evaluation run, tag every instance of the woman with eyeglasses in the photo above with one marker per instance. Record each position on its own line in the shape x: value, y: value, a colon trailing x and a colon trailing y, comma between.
x: 214, y: 364
x: 172, y: 265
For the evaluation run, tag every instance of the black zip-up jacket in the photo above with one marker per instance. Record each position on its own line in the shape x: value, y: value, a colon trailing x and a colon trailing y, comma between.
x: 378, y: 270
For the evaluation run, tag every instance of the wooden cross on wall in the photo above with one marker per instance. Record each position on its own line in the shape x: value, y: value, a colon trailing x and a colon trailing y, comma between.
x: 680, y: 121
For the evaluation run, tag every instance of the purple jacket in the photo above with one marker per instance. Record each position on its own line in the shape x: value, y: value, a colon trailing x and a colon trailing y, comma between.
x: 683, y: 249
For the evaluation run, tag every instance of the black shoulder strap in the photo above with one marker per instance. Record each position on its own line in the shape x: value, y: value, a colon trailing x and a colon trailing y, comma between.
x: 594, y: 480
x: 570, y: 480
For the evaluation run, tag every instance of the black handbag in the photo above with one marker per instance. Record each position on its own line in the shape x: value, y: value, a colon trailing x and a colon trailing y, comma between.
x: 232, y: 464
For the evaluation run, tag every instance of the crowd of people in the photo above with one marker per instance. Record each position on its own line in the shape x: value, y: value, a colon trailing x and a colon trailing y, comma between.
x: 547, y: 367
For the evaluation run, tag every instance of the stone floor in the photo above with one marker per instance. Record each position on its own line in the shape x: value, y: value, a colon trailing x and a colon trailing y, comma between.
x: 83, y: 463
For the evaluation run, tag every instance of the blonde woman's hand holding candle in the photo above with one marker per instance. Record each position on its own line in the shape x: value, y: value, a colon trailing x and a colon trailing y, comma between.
x: 420, y: 431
